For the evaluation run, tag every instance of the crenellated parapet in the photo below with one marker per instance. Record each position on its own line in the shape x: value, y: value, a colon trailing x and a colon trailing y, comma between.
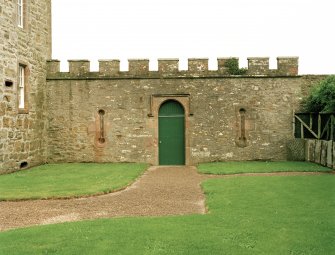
x: 169, y: 68
x: 109, y: 67
x: 198, y: 65
x: 222, y: 68
x: 138, y: 66
x: 288, y: 65
x: 79, y: 67
x: 258, y: 66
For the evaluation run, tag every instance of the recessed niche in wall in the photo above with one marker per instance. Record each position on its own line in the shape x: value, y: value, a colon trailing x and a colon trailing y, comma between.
x: 242, y: 139
x: 101, y: 112
x: 8, y: 84
x: 101, y: 138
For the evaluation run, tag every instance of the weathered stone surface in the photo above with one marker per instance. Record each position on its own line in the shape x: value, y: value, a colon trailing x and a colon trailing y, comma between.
x: 258, y: 66
x: 213, y: 126
x: 196, y: 65
x: 78, y: 67
x: 29, y: 46
x: 222, y: 64
x: 287, y: 65
x: 296, y: 149
x: 168, y: 65
x: 138, y: 66
x: 109, y: 67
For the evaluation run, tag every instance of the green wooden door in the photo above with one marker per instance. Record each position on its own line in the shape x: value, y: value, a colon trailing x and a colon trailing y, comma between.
x: 171, y: 128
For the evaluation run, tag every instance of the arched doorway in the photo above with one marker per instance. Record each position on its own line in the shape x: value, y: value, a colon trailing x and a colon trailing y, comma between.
x: 171, y: 130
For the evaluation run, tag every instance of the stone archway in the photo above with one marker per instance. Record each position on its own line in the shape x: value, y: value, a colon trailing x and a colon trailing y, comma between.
x: 156, y: 102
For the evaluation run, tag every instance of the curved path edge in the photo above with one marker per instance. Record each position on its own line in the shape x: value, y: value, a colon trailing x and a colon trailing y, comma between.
x: 160, y: 191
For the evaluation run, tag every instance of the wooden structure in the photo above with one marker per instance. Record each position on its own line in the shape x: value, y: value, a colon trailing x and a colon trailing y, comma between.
x: 318, y: 126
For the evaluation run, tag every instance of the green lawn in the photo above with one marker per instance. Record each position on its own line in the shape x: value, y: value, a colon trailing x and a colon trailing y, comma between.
x: 259, y: 167
x: 247, y: 215
x: 68, y: 180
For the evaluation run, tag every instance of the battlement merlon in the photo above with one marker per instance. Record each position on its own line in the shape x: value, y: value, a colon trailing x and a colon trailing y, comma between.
x: 286, y: 66
x: 197, y: 65
x: 53, y: 66
x: 258, y: 66
x: 109, y: 67
x: 79, y: 67
x: 222, y: 68
x: 168, y: 65
x: 138, y: 66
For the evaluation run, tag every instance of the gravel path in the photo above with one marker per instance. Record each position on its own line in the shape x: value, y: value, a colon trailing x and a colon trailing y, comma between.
x: 160, y: 191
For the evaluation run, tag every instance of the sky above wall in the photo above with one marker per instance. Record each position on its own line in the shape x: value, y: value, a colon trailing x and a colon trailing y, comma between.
x: 123, y: 29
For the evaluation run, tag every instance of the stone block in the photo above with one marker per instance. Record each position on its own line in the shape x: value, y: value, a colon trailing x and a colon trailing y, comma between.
x: 222, y: 62
x: 79, y: 67
x: 168, y: 65
x: 287, y: 65
x: 18, y: 147
x: 53, y: 66
x: 258, y: 66
x: 2, y: 108
x: 109, y: 67
x: 3, y: 135
x: 138, y: 66
x: 196, y: 65
x: 7, y: 122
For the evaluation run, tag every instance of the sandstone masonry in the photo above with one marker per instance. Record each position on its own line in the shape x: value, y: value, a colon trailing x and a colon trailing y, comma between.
x: 112, y: 116
x: 213, y: 101
x: 23, y: 131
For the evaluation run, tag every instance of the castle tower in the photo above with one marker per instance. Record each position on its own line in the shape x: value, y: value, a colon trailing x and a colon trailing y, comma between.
x: 25, y: 45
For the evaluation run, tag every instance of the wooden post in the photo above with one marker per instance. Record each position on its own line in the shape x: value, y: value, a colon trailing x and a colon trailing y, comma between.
x: 293, y: 123
x: 332, y: 127
x: 328, y: 129
x: 319, y: 126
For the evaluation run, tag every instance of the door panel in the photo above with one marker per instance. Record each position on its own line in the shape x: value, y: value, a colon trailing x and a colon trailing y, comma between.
x: 171, y: 134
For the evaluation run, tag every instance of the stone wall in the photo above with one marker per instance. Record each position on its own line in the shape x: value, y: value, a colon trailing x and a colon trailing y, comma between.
x: 214, y: 100
x: 22, y: 133
x: 308, y: 82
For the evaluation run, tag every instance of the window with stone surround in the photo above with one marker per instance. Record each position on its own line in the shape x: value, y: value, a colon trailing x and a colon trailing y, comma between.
x: 20, y: 13
x: 22, y: 89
